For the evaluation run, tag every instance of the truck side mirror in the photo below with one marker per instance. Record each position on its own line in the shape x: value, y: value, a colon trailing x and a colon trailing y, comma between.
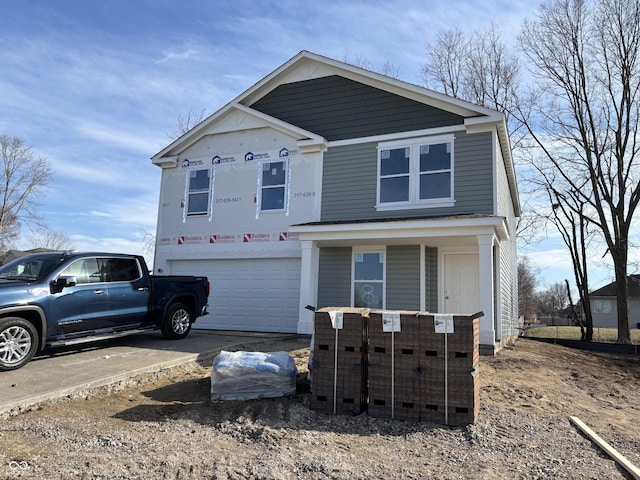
x: 63, y: 281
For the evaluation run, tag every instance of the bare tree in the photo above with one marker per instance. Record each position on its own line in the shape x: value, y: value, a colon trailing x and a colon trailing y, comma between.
x: 574, y: 313
x: 23, y: 179
x: 51, y: 240
x: 186, y: 122
x: 527, y: 283
x: 478, y: 68
x: 149, y: 246
x: 584, y: 122
x: 359, y: 60
x: 571, y: 220
x: 552, y: 300
x: 448, y: 59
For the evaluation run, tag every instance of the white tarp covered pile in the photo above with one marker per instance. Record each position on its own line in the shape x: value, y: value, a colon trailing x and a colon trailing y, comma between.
x: 249, y: 375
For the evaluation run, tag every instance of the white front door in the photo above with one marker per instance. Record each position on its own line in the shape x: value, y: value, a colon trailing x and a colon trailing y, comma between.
x: 461, y: 292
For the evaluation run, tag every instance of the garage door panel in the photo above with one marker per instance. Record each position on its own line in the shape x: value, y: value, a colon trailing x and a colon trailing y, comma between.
x: 259, y: 295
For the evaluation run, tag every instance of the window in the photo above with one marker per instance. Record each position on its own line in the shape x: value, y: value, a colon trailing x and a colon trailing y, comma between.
x: 415, y: 173
x: 368, y: 280
x: 394, y: 175
x: 602, y: 306
x: 198, y: 201
x: 95, y: 270
x: 120, y: 269
x: 273, y: 185
x: 85, y: 270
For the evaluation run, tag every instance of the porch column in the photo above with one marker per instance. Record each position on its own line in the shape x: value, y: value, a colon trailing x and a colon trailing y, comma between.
x: 308, y: 286
x: 486, y: 286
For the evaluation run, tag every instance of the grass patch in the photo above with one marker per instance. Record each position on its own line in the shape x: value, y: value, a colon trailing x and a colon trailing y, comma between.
x: 606, y: 335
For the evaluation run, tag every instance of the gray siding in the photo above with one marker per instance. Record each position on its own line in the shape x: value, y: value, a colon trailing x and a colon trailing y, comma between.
x: 508, y: 259
x: 508, y: 289
x: 334, y: 277
x: 350, y: 181
x: 402, y: 282
x: 403, y: 277
x: 431, y: 286
x: 338, y: 108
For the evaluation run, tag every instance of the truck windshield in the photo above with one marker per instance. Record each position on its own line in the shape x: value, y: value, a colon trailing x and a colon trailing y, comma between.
x: 30, y: 268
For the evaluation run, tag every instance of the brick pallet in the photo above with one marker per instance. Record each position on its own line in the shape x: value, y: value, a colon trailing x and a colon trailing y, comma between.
x: 411, y: 359
x: 338, y: 362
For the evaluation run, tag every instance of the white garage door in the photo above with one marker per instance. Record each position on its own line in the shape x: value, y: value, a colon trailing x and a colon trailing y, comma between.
x: 257, y: 295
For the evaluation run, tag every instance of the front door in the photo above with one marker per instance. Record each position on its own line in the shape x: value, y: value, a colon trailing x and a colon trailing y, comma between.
x: 461, y: 294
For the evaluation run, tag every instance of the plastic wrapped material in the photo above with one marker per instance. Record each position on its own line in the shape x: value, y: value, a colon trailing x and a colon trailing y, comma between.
x: 250, y: 375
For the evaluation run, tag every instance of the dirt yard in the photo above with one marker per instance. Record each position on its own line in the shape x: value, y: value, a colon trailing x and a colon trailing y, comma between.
x: 163, y: 426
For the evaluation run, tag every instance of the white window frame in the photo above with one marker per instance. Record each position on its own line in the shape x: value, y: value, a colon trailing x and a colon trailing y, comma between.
x: 414, y: 173
x: 188, y: 192
x: 262, y: 187
x: 359, y: 251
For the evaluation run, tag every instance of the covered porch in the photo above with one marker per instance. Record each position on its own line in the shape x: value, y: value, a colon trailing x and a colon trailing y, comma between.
x: 465, y: 248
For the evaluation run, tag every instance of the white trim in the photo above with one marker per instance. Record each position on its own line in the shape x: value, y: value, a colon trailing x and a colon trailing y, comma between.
x: 310, y: 141
x: 405, y: 230
x: 309, y: 265
x: 414, y: 173
x: 486, y: 267
x: 308, y: 65
x: 188, y: 193
x: 414, y: 206
x: 398, y: 136
x: 261, y: 187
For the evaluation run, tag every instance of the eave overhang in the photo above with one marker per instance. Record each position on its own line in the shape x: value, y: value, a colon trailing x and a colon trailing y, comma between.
x: 432, y: 231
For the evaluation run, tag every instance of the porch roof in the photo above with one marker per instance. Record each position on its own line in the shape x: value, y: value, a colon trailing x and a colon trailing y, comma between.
x: 451, y: 230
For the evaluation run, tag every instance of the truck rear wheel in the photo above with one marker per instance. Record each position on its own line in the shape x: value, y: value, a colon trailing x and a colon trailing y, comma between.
x: 18, y: 342
x: 176, y: 323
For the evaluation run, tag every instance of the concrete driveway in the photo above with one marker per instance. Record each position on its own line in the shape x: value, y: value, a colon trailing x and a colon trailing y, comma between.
x: 64, y: 371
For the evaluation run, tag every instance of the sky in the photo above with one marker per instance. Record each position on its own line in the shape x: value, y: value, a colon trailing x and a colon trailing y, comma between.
x: 97, y: 87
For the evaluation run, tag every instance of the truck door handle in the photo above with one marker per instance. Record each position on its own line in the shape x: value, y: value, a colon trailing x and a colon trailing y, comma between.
x: 99, y: 291
x: 143, y: 289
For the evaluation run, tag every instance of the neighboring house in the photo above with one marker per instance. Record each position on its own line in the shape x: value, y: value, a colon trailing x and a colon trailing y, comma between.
x: 13, y: 254
x: 328, y: 185
x: 604, y: 309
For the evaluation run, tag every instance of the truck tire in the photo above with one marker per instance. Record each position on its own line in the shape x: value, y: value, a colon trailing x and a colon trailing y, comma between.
x: 176, y: 323
x: 18, y: 342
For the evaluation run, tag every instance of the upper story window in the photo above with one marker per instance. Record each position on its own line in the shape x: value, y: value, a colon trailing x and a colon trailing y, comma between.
x: 273, y: 185
x: 198, y: 192
x: 415, y: 173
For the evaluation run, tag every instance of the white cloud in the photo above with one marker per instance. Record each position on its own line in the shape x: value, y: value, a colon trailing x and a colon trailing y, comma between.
x: 186, y: 53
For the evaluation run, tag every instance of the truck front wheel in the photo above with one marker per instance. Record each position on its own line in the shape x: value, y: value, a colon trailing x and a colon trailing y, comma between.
x: 176, y: 323
x: 18, y: 342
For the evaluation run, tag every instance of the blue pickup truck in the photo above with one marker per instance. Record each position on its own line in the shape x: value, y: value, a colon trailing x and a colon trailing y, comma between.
x: 62, y: 298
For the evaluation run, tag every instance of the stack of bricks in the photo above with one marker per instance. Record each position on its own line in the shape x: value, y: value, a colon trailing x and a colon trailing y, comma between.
x: 407, y: 371
x: 394, y: 361
x: 338, y: 375
x: 461, y: 352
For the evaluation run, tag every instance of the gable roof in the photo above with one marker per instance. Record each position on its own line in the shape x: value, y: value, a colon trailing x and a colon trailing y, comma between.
x: 307, y: 66
x: 611, y: 290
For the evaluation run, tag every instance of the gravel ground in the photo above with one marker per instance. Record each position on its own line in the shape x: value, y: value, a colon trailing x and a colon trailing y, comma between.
x: 164, y: 426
